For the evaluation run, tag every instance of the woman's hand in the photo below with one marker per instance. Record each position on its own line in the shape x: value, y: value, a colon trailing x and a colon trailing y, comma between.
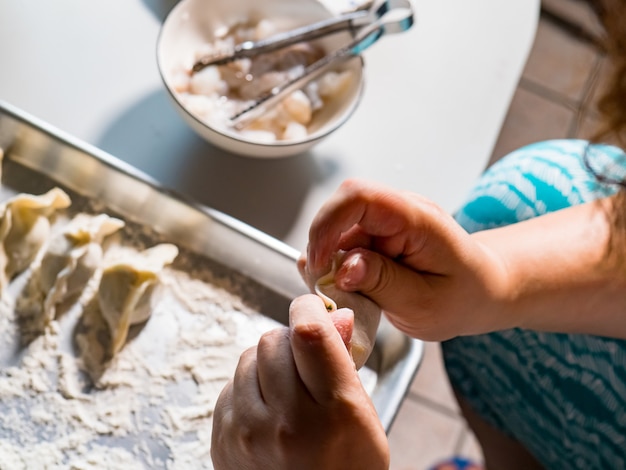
x: 297, y: 402
x: 432, y: 279
x: 561, y: 272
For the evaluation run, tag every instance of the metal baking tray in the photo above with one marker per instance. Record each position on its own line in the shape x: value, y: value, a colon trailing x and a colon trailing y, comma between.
x: 36, y: 154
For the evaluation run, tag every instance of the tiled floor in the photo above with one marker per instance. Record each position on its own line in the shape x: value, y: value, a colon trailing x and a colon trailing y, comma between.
x: 556, y: 98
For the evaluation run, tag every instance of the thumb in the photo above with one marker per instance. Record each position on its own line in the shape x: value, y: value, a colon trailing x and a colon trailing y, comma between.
x: 393, y: 286
x: 343, y: 318
x: 320, y: 355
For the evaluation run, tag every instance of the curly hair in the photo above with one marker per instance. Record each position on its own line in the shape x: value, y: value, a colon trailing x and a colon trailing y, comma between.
x: 612, y: 105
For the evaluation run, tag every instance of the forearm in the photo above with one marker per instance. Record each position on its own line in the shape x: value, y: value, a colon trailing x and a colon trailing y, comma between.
x: 565, y: 271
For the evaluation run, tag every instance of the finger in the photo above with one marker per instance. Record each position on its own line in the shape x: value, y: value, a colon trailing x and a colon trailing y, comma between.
x: 394, y: 287
x: 246, y: 388
x: 222, y: 426
x: 343, y: 318
x: 399, y: 225
x: 355, y: 202
x: 355, y: 237
x: 304, y: 272
x: 223, y: 405
x: 278, y: 378
x: 301, y: 263
x: 321, y: 358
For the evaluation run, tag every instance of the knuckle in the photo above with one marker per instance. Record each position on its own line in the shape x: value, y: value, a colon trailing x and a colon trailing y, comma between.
x: 264, y: 340
x: 287, y: 434
x: 350, y: 184
x: 246, y: 435
x: 355, y: 188
x: 303, y: 300
x: 270, y: 338
x: 311, y: 331
x: 248, y: 356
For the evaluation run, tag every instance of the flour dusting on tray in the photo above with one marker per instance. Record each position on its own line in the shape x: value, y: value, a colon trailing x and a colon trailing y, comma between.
x: 67, y: 402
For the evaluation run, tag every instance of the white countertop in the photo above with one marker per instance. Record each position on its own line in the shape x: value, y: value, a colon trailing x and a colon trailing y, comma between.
x: 434, y: 103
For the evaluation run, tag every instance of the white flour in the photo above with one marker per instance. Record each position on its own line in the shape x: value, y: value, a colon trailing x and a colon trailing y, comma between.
x: 65, y: 405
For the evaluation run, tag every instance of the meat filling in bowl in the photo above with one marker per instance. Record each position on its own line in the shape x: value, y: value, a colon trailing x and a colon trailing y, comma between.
x: 218, y: 92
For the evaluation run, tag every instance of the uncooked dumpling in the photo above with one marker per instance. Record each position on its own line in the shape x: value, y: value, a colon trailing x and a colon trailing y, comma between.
x: 72, y: 257
x: 24, y: 229
x: 125, y: 295
x: 366, y: 313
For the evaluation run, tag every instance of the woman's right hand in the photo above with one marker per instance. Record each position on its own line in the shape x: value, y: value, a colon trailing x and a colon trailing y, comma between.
x: 296, y: 401
x: 432, y: 279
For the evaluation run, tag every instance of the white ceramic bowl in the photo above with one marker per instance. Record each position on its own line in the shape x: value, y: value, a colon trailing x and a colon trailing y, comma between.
x: 192, y: 23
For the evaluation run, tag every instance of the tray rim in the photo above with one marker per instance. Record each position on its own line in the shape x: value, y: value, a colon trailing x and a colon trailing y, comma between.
x: 401, y: 375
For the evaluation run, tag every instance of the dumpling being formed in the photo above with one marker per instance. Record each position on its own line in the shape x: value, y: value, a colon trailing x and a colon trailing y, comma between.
x: 24, y: 228
x: 127, y: 287
x: 366, y: 313
x: 72, y: 257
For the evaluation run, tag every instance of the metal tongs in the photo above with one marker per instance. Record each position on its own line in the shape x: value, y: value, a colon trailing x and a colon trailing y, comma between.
x: 368, y: 25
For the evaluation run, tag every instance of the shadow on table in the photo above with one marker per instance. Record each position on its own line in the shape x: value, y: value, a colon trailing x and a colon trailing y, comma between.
x: 265, y: 193
x: 160, y: 8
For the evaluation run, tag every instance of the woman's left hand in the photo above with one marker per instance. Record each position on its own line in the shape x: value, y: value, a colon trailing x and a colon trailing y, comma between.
x: 296, y: 401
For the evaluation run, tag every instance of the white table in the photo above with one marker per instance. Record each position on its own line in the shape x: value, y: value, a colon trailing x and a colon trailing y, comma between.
x: 434, y: 103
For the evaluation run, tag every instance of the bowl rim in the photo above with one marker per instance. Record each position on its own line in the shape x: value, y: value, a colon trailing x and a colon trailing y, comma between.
x: 311, y: 138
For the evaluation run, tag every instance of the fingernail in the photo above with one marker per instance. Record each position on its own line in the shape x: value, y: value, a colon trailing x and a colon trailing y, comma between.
x: 352, y: 272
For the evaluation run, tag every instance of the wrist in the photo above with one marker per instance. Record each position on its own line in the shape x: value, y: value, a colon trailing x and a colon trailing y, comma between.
x: 560, y: 272
x: 500, y: 284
